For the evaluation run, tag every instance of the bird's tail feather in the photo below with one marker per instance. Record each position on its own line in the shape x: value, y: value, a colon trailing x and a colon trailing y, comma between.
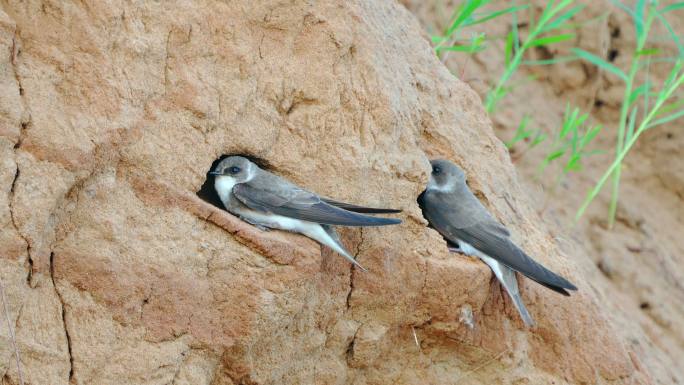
x: 512, y: 289
x: 328, y: 236
x: 506, y: 276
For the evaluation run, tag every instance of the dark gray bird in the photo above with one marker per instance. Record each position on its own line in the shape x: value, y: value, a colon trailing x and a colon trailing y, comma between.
x: 268, y: 201
x: 453, y: 210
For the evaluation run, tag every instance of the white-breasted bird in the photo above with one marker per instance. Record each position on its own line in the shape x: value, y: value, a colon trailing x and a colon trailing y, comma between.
x: 452, y: 209
x: 269, y: 201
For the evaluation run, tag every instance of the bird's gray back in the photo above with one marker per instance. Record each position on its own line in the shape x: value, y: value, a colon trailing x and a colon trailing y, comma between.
x: 278, y: 191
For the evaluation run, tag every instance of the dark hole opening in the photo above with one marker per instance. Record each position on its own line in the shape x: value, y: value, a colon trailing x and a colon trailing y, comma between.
x: 615, y: 33
x: 612, y: 55
x: 207, y: 192
x: 421, y: 204
x: 544, y: 53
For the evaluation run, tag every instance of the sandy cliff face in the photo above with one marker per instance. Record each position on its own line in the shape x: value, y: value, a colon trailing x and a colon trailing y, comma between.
x: 116, y: 273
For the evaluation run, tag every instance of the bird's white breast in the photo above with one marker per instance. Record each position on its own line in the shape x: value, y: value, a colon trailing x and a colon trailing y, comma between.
x: 279, y: 222
x: 224, y: 187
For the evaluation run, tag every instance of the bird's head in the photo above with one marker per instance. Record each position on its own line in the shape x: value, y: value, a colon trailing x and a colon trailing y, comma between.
x: 234, y: 169
x: 445, y: 176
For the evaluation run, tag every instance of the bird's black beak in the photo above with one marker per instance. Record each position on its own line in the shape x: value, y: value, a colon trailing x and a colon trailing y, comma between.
x: 215, y: 173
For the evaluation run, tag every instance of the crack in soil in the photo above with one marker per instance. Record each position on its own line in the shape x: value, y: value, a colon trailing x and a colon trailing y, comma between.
x: 24, y: 124
x: 15, y: 223
x: 66, y: 329
x: 351, y: 269
x: 350, y: 348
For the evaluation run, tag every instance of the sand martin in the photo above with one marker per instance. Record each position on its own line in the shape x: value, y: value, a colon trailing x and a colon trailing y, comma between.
x: 453, y: 210
x: 268, y: 201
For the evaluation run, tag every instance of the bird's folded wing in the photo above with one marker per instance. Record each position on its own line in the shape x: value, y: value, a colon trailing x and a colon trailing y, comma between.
x: 360, y: 209
x: 487, y: 237
x: 300, y: 204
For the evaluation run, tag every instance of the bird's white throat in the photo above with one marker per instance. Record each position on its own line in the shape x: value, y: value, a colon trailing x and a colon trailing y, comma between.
x: 447, y: 187
x: 224, y: 186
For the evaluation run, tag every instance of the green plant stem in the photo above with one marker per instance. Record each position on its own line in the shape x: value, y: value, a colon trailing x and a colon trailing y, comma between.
x: 546, y: 16
x: 492, y: 97
x: 624, y: 113
x: 515, y: 62
x: 643, y: 126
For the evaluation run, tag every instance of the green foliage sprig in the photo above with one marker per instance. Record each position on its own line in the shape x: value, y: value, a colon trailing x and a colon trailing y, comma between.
x: 644, y: 105
x: 466, y: 15
x: 544, y: 31
x: 571, y: 141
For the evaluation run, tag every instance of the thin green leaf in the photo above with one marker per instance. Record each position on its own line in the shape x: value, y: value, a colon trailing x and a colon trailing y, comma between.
x: 638, y: 91
x: 572, y: 159
x: 470, y: 48
x: 569, y: 123
x: 540, y: 137
x: 496, y: 14
x: 547, y: 11
x: 667, y: 119
x: 580, y: 121
x: 647, y: 52
x: 476, y: 45
x: 623, y: 7
x: 558, y: 22
x: 631, y: 123
x: 674, y: 72
x: 664, y: 109
x: 508, y: 50
x: 590, y: 57
x: 544, y: 19
x: 639, y: 18
x: 591, y: 134
x: 573, y: 164
x: 436, y: 39
x: 551, y: 39
x: 524, y: 122
x: 555, y: 155
x: 672, y: 7
x: 672, y: 33
x: 573, y: 141
x: 521, y: 133
x: 465, y: 13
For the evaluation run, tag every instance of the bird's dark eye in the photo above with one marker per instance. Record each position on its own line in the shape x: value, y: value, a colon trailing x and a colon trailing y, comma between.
x: 234, y: 170
x: 436, y: 170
